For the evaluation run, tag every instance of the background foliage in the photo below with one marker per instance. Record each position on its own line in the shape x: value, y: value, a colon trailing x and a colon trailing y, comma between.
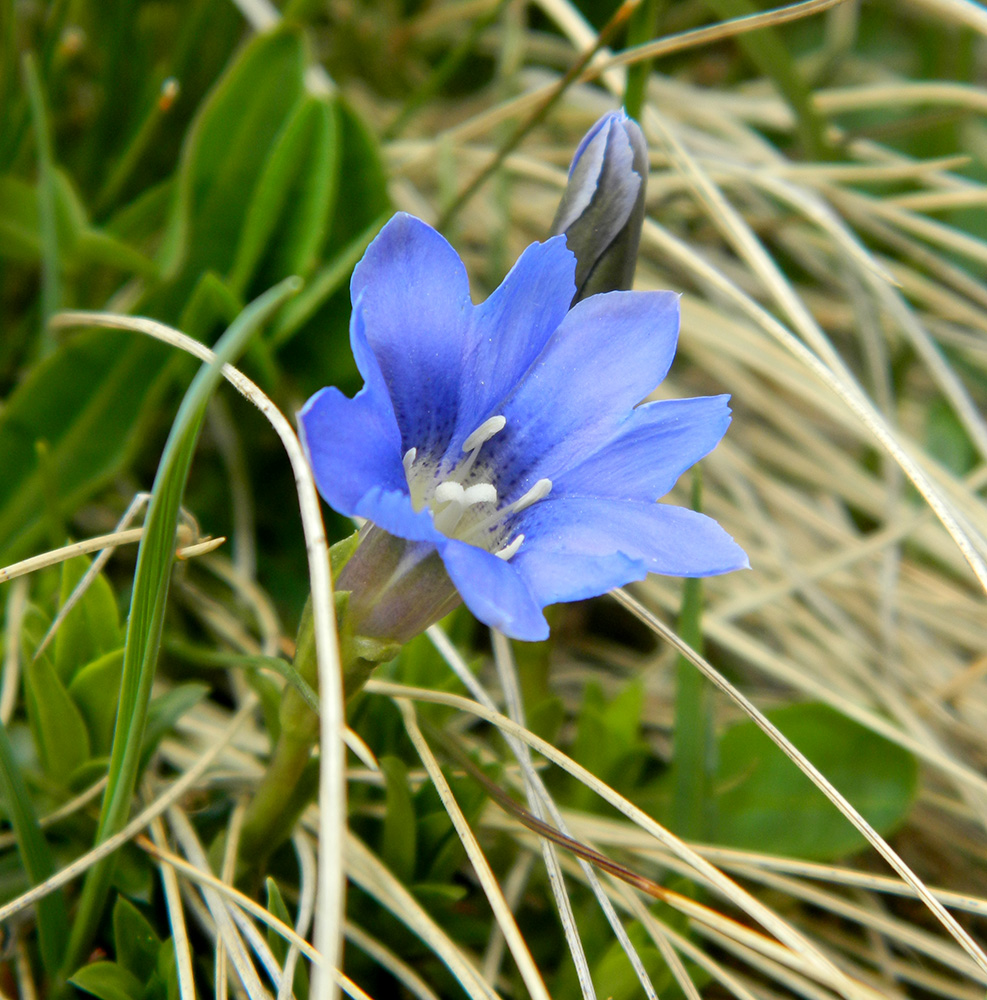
x: 817, y: 194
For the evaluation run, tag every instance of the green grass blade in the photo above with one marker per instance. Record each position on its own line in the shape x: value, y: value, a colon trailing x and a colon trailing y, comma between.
x: 51, y: 282
x: 766, y: 49
x: 642, y: 28
x: 694, y: 763
x: 53, y: 925
x: 146, y: 620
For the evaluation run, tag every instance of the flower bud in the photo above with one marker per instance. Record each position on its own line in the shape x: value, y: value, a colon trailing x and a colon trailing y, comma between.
x: 602, y: 209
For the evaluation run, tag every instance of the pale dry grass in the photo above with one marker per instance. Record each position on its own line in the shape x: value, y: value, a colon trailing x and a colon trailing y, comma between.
x: 864, y: 594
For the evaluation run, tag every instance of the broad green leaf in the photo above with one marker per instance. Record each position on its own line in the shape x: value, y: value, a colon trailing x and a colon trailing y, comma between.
x: 136, y: 943
x: 293, y: 196
x: 765, y: 803
x: 84, y: 401
x: 356, y: 218
x: 19, y: 237
x: 211, y: 303
x: 608, y: 740
x: 398, y: 841
x: 92, y: 627
x: 108, y: 981
x: 276, y: 906
x: 58, y: 726
x: 225, y: 153
x: 95, y: 689
x: 362, y: 178
x: 615, y: 975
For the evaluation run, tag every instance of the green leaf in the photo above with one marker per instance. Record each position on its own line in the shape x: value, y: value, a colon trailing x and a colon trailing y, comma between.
x: 294, y: 196
x: 19, y: 237
x: 92, y: 627
x: 276, y: 906
x: 95, y: 689
x: 212, y: 302
x: 58, y: 726
x: 362, y: 172
x: 35, y: 857
x: 108, y: 981
x: 765, y: 803
x: 84, y: 400
x: 398, y: 841
x: 165, y: 710
x: 136, y: 943
x: 225, y: 153
x: 278, y: 945
x: 608, y: 740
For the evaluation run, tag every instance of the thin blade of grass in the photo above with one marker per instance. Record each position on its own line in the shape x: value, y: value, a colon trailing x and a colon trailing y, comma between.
x: 146, y: 619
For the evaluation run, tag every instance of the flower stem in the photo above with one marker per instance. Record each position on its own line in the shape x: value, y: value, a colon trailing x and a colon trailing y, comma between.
x: 290, y: 781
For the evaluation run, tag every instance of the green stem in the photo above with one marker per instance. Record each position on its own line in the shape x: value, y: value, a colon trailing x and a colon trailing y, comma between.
x: 642, y: 28
x: 284, y: 792
x: 694, y: 760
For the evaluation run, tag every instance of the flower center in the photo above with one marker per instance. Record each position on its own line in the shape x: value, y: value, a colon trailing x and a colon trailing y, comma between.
x: 463, y: 501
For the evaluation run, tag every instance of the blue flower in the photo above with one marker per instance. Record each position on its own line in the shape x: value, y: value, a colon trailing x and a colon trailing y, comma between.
x: 506, y: 438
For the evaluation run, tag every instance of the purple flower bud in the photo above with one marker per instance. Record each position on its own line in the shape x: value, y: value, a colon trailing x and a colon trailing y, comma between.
x: 602, y: 209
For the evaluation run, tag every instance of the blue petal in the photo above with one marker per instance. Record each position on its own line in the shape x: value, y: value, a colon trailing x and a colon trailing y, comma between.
x: 610, y: 351
x: 352, y: 445
x: 578, y: 547
x: 391, y: 510
x: 494, y: 591
x: 510, y: 329
x: 653, y: 447
x: 413, y: 294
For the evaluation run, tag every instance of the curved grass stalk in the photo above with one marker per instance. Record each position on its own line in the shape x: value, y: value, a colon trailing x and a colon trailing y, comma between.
x: 172, y: 794
x: 505, y: 919
x: 371, y: 875
x: 332, y: 786
x: 754, y: 908
x: 539, y: 797
x: 176, y: 918
x: 958, y: 933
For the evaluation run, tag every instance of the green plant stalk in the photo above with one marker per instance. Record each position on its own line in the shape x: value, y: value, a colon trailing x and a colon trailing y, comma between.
x: 51, y: 280
x: 766, y: 49
x: 694, y: 760
x: 145, y: 622
x: 276, y: 805
x: 642, y: 28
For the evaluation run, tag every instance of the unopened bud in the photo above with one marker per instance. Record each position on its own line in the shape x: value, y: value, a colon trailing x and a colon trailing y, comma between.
x: 602, y: 209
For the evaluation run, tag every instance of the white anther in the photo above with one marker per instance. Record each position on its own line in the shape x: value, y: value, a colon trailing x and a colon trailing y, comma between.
x: 508, y: 550
x: 449, y: 492
x: 479, y: 493
x: 483, y: 433
x: 409, y: 460
x: 539, y: 491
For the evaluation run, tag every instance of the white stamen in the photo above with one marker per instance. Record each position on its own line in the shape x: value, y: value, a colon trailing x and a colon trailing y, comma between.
x: 480, y: 493
x: 409, y: 460
x: 449, y: 492
x: 483, y: 433
x: 508, y: 550
x: 539, y: 491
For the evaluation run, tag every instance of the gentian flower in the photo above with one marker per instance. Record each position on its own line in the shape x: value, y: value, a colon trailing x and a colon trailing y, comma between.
x: 602, y: 208
x: 497, y: 450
